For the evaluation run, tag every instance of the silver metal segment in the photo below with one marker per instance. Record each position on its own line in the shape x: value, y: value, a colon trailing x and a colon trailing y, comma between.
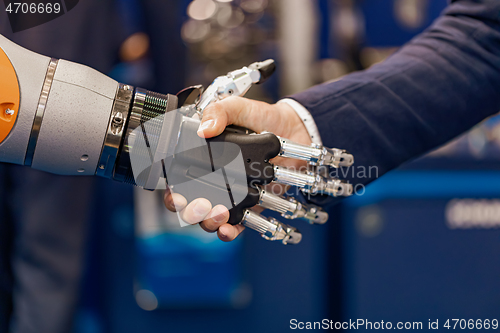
x: 133, y: 123
x: 116, y: 127
x: 334, y: 187
x: 271, y: 229
x: 151, y: 138
x: 315, y: 154
x: 274, y: 202
x: 290, y: 208
x: 312, y: 183
x: 235, y: 83
x: 166, y: 144
x: 305, y: 181
x: 42, y: 103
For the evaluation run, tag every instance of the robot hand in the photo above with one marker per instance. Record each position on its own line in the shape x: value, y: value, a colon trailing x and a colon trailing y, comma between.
x: 256, y: 151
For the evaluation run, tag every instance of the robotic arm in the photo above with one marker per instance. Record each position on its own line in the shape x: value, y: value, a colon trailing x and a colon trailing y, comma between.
x: 68, y: 119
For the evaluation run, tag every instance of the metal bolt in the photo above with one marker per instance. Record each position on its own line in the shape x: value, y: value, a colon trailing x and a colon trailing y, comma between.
x: 118, y: 118
x: 9, y: 112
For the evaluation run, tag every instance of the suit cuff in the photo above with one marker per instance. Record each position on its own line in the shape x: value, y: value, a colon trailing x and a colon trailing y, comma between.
x: 307, y: 119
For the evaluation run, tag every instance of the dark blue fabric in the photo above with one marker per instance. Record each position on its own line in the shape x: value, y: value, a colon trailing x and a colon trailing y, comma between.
x: 437, y: 86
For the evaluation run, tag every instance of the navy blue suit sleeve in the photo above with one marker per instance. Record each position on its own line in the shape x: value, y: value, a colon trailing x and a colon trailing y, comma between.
x: 434, y: 88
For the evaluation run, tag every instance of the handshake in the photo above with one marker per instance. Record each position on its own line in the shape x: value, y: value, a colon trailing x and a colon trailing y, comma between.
x: 238, y: 160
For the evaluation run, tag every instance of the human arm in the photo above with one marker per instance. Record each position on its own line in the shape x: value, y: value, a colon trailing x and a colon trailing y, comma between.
x: 437, y: 86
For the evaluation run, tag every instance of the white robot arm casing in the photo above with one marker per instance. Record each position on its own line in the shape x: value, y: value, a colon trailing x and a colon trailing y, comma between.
x: 75, y: 121
x: 75, y: 114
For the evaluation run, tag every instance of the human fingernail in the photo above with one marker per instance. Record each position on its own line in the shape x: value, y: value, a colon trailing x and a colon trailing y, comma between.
x: 205, y: 125
x: 178, y: 201
x: 219, y: 214
x: 202, y: 208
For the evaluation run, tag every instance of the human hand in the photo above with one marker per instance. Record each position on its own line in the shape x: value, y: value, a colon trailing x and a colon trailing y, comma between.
x: 279, y: 119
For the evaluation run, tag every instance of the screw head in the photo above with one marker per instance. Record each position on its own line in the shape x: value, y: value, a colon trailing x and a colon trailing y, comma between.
x: 118, y: 118
x: 9, y: 112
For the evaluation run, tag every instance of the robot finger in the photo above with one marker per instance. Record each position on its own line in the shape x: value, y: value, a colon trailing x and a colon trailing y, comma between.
x: 291, y: 208
x: 312, y: 183
x: 316, y: 155
x: 270, y: 228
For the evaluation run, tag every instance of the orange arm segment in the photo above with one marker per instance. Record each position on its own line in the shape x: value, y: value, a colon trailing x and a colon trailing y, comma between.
x: 9, y: 96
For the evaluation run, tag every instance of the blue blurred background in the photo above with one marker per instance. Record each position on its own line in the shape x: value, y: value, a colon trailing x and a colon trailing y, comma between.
x: 421, y: 243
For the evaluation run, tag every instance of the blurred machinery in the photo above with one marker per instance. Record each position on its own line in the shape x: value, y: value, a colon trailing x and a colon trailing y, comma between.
x: 222, y: 35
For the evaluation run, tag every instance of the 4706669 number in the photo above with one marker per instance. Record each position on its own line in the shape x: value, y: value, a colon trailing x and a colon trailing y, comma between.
x: 471, y: 324
x: 33, y: 8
